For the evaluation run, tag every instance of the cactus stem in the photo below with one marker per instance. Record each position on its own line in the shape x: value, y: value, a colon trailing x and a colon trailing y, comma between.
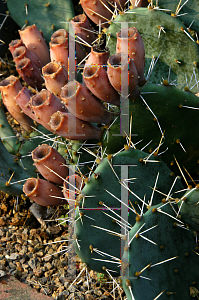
x: 135, y: 234
x: 152, y: 114
x: 188, y: 34
x: 118, y: 222
x: 115, y: 213
x: 163, y: 212
x: 146, y: 159
x: 158, y: 296
x: 109, y: 261
x: 189, y: 175
x: 152, y: 242
x: 103, y: 253
x: 179, y: 209
x: 130, y: 289
x: 150, y: 202
x: 190, y: 107
x: 133, y: 210
x: 181, y: 172
x: 110, y: 231
x: 164, y: 261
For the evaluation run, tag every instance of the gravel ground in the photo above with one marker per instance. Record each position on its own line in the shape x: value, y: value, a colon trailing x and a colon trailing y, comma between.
x: 25, y: 255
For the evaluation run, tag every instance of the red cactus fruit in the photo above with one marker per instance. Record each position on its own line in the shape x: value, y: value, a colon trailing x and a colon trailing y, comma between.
x: 135, y: 49
x: 59, y: 40
x: 43, y: 192
x: 83, y: 105
x: 35, y: 42
x: 117, y: 70
x: 9, y: 88
x: 96, y: 80
x: 15, y: 44
x: 97, y: 11
x: 22, y: 52
x: 22, y: 99
x: 59, y: 50
x: 72, y: 187
x: 46, y: 159
x: 55, y: 76
x: 68, y: 126
x: 99, y: 53
x: 83, y: 29
x: 30, y: 73
x: 44, y: 104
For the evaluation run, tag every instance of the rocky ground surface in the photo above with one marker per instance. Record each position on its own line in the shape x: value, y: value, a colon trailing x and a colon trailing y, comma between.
x: 33, y: 254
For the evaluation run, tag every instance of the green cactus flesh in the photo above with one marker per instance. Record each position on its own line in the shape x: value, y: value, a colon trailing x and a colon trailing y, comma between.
x: 46, y: 15
x: 188, y: 13
x: 7, y: 135
x: 189, y: 208
x: 178, y: 54
x: 163, y: 110
x: 164, y: 265
x: 100, y: 195
x: 11, y: 172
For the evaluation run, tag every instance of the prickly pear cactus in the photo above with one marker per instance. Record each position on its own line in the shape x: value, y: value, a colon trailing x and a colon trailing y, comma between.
x: 160, y: 257
x: 163, y: 36
x: 121, y: 188
x: 46, y: 15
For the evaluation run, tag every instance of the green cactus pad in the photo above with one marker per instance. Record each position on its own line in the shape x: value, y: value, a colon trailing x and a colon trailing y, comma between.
x: 187, y: 14
x: 166, y: 269
x: 11, y: 170
x: 46, y: 15
x: 189, y: 208
x: 103, y: 187
x: 178, y: 54
x: 164, y: 109
x: 7, y: 135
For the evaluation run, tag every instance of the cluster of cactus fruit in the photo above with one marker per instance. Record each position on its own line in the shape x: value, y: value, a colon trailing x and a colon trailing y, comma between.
x: 88, y: 97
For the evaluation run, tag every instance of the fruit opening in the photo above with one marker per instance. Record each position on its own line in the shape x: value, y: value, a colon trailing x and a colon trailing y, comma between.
x: 50, y: 68
x: 22, y: 63
x: 79, y: 19
x: 16, y: 43
x: 30, y: 186
x: 59, y: 32
x: 58, y: 40
x: 39, y: 98
x: 19, y: 51
x: 8, y: 81
x: 90, y: 71
x: 41, y: 152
